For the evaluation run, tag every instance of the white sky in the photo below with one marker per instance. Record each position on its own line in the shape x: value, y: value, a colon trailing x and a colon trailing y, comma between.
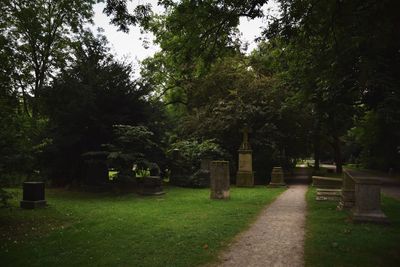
x: 130, y: 46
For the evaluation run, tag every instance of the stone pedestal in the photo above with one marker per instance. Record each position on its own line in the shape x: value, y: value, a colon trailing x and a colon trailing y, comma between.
x: 363, y: 196
x: 33, y: 195
x: 245, y: 174
x: 219, y: 173
x: 368, y: 202
x: 277, y: 178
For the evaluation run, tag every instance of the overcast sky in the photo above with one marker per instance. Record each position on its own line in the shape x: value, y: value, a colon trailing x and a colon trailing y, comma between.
x: 129, y: 46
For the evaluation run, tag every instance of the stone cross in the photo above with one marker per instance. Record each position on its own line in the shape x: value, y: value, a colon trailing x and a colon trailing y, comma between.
x: 245, y: 143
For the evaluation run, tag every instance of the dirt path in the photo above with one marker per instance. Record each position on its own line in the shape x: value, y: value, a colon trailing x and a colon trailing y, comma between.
x: 276, y: 238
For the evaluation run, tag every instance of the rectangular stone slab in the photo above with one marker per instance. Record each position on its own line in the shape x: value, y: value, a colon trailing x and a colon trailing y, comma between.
x: 220, y: 180
x: 33, y: 191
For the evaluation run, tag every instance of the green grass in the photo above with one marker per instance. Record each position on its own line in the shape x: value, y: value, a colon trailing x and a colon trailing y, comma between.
x: 332, y: 240
x: 182, y: 228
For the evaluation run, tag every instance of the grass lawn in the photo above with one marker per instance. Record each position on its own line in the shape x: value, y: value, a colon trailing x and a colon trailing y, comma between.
x: 331, y: 240
x: 182, y: 228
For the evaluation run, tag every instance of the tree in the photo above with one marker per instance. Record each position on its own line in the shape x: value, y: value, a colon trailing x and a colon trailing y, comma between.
x: 84, y: 103
x: 40, y: 34
x: 344, y: 61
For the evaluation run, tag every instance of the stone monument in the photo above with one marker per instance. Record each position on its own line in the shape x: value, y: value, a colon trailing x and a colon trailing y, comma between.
x: 277, y: 178
x: 245, y: 174
x: 33, y: 195
x: 361, y: 193
x: 219, y: 174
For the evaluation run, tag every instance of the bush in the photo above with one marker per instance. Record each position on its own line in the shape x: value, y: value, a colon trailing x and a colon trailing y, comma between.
x: 185, y: 168
x: 4, y: 197
x: 192, y: 152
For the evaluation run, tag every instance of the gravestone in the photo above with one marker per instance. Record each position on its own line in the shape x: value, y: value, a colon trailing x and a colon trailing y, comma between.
x: 205, y: 164
x: 96, y: 168
x: 179, y: 173
x: 245, y: 174
x: 33, y: 195
x: 277, y: 178
x: 219, y: 174
x: 150, y: 186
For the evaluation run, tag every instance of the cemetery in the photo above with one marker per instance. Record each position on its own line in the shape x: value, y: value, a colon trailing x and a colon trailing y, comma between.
x: 199, y: 133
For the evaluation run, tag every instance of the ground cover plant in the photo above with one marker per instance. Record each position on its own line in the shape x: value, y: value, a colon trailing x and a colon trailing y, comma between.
x: 182, y: 228
x: 332, y: 240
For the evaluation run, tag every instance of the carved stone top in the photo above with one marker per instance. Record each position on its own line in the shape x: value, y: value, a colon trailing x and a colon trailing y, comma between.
x: 245, y: 143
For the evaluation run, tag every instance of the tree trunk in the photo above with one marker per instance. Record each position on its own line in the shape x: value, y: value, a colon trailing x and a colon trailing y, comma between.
x: 317, y: 152
x: 317, y: 145
x: 338, y: 154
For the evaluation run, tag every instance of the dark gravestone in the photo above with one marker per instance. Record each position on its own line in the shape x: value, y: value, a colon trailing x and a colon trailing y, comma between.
x: 179, y: 169
x: 150, y: 186
x: 201, y: 178
x: 96, y: 169
x: 33, y: 195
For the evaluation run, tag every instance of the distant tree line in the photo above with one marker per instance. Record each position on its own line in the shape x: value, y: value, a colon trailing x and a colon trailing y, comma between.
x: 322, y: 83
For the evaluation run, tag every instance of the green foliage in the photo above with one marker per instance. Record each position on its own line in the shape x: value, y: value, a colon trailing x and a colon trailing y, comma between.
x: 5, y: 196
x: 142, y: 173
x: 133, y: 147
x: 376, y: 141
x: 40, y: 35
x: 192, y: 152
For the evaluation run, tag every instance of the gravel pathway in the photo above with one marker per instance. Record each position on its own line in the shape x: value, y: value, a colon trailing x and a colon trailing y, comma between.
x: 392, y: 191
x: 276, y: 238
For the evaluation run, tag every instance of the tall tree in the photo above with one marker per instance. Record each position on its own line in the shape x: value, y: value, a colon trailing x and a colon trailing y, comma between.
x: 86, y: 100
x: 40, y: 33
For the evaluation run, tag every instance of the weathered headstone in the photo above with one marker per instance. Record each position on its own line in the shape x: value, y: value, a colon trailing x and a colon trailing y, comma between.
x: 277, y: 178
x: 219, y: 173
x: 201, y: 178
x: 245, y: 174
x: 33, y: 195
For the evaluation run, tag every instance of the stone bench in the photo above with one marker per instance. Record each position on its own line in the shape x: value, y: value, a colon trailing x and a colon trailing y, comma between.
x: 326, y: 182
x: 363, y: 196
